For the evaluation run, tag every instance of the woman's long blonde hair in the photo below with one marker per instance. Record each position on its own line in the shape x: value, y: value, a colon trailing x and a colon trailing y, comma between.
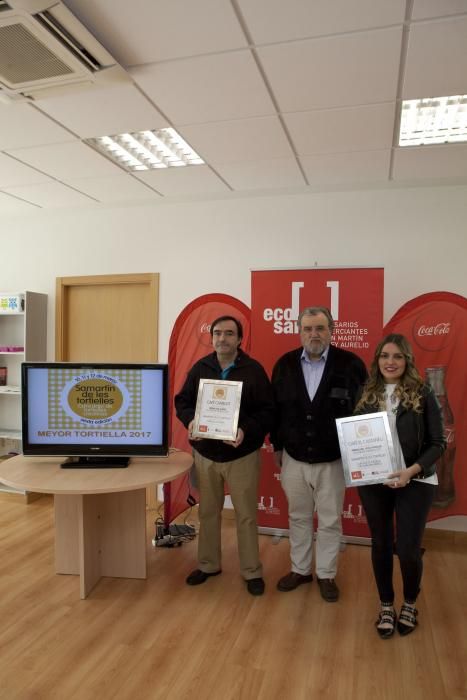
x: 409, y: 386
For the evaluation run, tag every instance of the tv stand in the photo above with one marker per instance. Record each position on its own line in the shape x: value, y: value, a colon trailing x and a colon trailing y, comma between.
x: 95, y: 462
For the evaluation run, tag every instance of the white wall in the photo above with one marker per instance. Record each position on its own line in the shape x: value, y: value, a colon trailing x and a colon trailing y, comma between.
x: 418, y: 235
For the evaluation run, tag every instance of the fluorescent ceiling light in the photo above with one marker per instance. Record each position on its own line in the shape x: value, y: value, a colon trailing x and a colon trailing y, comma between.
x: 145, y: 150
x: 433, y: 120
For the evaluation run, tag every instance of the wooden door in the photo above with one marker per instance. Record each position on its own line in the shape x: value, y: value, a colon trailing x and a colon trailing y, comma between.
x: 107, y: 318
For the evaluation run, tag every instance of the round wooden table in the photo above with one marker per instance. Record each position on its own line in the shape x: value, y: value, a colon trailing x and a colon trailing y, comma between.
x: 100, y: 514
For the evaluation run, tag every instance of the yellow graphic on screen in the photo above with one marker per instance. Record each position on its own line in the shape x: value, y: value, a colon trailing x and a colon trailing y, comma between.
x: 95, y: 398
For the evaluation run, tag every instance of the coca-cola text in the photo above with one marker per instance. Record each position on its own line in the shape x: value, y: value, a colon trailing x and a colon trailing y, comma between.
x: 439, y: 329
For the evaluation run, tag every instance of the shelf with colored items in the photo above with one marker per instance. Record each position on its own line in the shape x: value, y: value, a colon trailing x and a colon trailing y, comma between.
x: 11, y: 303
x: 23, y: 336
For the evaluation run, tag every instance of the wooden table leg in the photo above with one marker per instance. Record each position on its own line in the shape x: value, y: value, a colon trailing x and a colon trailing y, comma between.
x: 101, y: 535
x: 67, y: 510
x: 123, y: 534
x: 89, y: 544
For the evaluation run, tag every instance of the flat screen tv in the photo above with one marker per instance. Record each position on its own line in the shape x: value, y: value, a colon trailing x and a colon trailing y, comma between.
x: 96, y: 414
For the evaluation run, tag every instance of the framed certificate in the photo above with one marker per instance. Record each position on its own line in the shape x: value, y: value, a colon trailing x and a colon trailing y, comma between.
x: 367, y: 449
x: 217, y: 409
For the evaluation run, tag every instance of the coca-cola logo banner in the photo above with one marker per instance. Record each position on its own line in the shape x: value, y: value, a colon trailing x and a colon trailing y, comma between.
x: 189, y: 342
x: 436, y: 326
x: 439, y: 329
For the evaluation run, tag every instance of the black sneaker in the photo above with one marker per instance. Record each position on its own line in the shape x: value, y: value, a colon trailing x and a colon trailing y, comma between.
x: 255, y: 586
x: 197, y: 576
x: 407, y: 621
x: 328, y: 589
x: 292, y: 580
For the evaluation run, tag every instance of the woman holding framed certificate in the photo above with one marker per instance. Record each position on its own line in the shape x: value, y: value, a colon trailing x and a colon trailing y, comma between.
x: 415, y: 420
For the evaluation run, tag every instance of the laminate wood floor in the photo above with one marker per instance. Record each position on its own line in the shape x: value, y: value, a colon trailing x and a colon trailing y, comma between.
x: 161, y: 639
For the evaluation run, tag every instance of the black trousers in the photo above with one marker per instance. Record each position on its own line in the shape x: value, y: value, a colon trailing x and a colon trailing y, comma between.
x: 410, y: 505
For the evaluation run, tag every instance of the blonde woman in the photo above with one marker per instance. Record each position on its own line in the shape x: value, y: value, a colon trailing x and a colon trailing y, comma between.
x: 395, y: 386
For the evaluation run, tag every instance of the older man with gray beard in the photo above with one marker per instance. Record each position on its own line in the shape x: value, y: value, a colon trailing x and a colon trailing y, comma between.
x: 313, y: 385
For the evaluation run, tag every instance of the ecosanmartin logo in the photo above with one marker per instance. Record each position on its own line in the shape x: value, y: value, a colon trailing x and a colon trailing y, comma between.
x: 284, y: 320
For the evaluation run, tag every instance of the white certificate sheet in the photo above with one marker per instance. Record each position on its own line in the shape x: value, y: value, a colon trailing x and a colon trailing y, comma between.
x: 366, y: 448
x: 217, y: 409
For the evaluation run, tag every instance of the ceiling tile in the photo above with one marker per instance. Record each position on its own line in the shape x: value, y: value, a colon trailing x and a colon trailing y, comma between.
x: 50, y: 195
x: 344, y: 168
x: 332, y: 70
x: 13, y: 173
x: 262, y: 174
x: 140, y: 32
x: 22, y: 125
x: 67, y: 160
x: 427, y: 9
x: 436, y: 59
x: 206, y: 88
x: 99, y: 112
x: 339, y: 130
x: 235, y: 141
x: 449, y: 161
x: 195, y: 179
x: 340, y: 71
x: 12, y: 205
x: 297, y: 19
x: 114, y: 189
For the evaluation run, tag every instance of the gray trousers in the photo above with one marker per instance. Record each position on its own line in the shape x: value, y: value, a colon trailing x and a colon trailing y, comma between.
x: 311, y: 487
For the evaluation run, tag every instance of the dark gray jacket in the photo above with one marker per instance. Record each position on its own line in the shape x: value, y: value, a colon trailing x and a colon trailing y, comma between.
x: 421, y: 435
x: 307, y: 429
x: 256, y: 407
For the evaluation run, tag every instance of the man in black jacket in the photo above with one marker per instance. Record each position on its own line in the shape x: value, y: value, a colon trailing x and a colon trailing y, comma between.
x: 236, y: 463
x: 313, y: 385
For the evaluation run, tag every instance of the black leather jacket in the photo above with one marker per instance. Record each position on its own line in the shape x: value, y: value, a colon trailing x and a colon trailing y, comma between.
x: 421, y: 435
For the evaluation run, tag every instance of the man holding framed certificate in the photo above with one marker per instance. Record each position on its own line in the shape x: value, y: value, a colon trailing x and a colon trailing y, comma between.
x: 227, y: 406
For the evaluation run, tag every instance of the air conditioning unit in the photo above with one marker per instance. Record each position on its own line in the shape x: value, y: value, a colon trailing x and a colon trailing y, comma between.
x: 45, y: 49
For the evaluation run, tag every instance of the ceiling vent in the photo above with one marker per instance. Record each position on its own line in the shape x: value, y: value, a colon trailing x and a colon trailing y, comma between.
x: 44, y: 48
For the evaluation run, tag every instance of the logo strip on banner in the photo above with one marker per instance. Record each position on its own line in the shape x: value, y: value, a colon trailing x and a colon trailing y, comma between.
x: 190, y: 340
x: 436, y: 326
x: 355, y: 299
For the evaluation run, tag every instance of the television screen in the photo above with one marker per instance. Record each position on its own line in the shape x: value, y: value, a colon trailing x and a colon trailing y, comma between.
x: 94, y: 410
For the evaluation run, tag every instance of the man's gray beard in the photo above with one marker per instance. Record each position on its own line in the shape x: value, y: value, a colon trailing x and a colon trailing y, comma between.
x: 319, y: 352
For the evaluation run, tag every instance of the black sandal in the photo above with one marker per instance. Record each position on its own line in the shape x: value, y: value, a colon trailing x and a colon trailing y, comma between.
x: 407, y: 621
x: 387, y: 617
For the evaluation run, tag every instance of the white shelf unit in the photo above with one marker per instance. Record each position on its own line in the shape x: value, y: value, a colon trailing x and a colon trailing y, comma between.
x: 27, y: 329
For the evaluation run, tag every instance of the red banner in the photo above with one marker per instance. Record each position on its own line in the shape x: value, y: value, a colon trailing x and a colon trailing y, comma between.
x: 190, y: 341
x: 436, y: 326
x: 355, y: 298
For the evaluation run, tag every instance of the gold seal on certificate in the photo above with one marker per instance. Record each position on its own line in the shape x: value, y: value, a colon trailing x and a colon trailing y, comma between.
x: 366, y: 448
x: 217, y: 409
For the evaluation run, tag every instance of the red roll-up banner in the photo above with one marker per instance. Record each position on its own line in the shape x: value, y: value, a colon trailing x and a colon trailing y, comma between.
x: 436, y: 326
x: 355, y: 298
x: 190, y: 340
